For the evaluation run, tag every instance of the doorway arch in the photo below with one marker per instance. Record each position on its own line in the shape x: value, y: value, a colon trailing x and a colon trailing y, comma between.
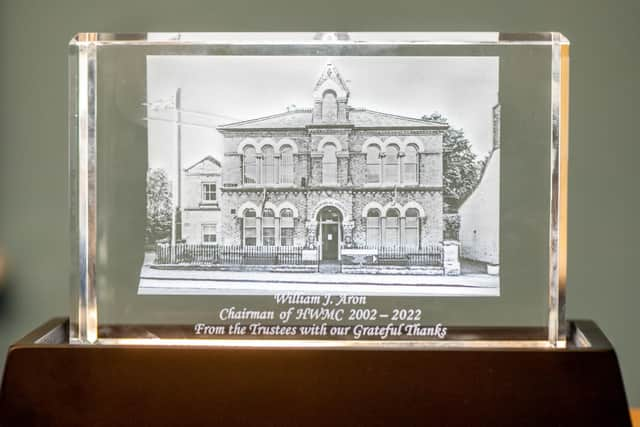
x: 330, y: 232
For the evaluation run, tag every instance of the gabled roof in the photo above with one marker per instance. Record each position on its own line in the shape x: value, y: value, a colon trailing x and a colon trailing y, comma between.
x: 202, y: 161
x: 358, y: 118
x: 296, y: 119
x: 363, y: 118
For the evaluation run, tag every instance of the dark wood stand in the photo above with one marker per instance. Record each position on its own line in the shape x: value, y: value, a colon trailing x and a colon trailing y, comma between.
x: 48, y: 382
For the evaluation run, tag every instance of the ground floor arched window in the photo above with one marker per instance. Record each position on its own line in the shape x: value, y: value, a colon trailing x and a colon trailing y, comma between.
x: 373, y: 227
x: 392, y: 228
x: 249, y: 232
x: 412, y: 228
x: 268, y: 228
x: 286, y: 227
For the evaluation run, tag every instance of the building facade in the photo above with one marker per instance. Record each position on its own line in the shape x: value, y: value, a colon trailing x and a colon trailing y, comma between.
x: 331, y: 177
x: 201, y: 202
x: 480, y: 212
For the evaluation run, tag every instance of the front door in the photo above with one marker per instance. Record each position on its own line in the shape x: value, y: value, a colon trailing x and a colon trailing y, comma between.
x: 329, y: 242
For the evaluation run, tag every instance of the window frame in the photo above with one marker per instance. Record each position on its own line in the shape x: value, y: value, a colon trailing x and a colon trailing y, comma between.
x: 289, y: 229
x: 415, y: 179
x: 204, y: 192
x: 203, y: 233
x: 388, y: 168
x: 374, y: 166
x: 245, y: 227
x: 387, y: 228
x: 369, y: 228
x: 271, y: 227
x: 334, y: 170
x: 268, y: 165
x: 407, y: 227
x: 334, y: 106
x: 286, y: 170
x: 254, y: 166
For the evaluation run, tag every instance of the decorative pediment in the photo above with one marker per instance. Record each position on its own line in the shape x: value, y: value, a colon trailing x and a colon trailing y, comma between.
x: 207, y: 166
x: 331, y: 80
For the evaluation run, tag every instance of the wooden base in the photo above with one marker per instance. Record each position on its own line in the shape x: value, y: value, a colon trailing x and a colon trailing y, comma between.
x: 49, y: 382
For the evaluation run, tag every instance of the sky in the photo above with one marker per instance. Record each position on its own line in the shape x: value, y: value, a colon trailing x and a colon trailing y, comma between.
x: 222, y: 89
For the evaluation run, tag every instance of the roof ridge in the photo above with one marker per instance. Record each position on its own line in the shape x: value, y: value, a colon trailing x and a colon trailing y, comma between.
x: 397, y: 116
x: 244, y: 122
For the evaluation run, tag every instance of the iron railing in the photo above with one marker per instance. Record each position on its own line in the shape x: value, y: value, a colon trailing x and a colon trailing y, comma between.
x: 427, y: 255
x: 202, y: 254
x: 225, y: 254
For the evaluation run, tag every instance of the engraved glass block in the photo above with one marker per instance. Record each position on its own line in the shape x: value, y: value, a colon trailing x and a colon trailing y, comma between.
x: 334, y: 189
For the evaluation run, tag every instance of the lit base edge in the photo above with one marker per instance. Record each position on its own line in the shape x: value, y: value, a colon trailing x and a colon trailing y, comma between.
x: 50, y: 382
x: 457, y: 337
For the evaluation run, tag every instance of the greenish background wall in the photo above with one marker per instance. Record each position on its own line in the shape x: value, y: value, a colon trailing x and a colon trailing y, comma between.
x: 603, y: 199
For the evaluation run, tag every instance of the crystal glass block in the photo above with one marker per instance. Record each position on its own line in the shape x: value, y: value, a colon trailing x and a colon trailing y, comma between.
x: 319, y: 189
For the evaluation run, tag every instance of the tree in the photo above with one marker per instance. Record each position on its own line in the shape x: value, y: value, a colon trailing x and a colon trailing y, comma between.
x: 462, y: 168
x: 159, y: 206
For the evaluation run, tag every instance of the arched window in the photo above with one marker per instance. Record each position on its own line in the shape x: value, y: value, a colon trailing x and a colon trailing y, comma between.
x: 250, y: 166
x: 268, y: 163
x: 286, y: 165
x: 411, y: 164
x: 286, y: 227
x: 412, y: 228
x: 392, y: 228
x: 391, y: 164
x: 329, y: 164
x: 268, y: 228
x: 329, y: 106
x: 250, y: 231
x: 373, y: 163
x: 373, y: 227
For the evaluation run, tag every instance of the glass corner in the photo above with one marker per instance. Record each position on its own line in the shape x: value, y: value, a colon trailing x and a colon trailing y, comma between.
x: 559, y: 38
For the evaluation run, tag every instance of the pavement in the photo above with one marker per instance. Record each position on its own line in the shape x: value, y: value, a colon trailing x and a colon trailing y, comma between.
x: 206, y: 282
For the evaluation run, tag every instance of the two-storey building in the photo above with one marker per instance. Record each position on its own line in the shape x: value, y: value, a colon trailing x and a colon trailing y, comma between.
x: 201, y: 220
x: 331, y: 177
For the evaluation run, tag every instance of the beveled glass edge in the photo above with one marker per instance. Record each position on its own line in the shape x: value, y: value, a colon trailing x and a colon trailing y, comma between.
x: 82, y: 138
x: 559, y: 187
x: 87, y: 327
x: 311, y: 38
x: 333, y: 344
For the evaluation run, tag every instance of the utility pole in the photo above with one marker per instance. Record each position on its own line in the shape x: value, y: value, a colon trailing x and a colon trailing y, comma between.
x: 176, y: 217
x: 176, y: 104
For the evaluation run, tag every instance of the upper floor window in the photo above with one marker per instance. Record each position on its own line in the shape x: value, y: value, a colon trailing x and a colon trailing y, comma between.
x: 329, y: 106
x: 286, y: 227
x: 250, y: 235
x: 410, y: 164
x: 268, y: 164
x: 329, y: 164
x: 250, y: 166
x: 391, y: 164
x: 286, y: 165
x: 208, y: 192
x: 268, y: 228
x: 373, y: 163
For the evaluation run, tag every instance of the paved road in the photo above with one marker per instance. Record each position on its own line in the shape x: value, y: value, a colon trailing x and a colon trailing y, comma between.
x: 201, y: 282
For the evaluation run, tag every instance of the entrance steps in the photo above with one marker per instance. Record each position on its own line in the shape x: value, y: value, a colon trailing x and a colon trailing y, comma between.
x: 329, y: 267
